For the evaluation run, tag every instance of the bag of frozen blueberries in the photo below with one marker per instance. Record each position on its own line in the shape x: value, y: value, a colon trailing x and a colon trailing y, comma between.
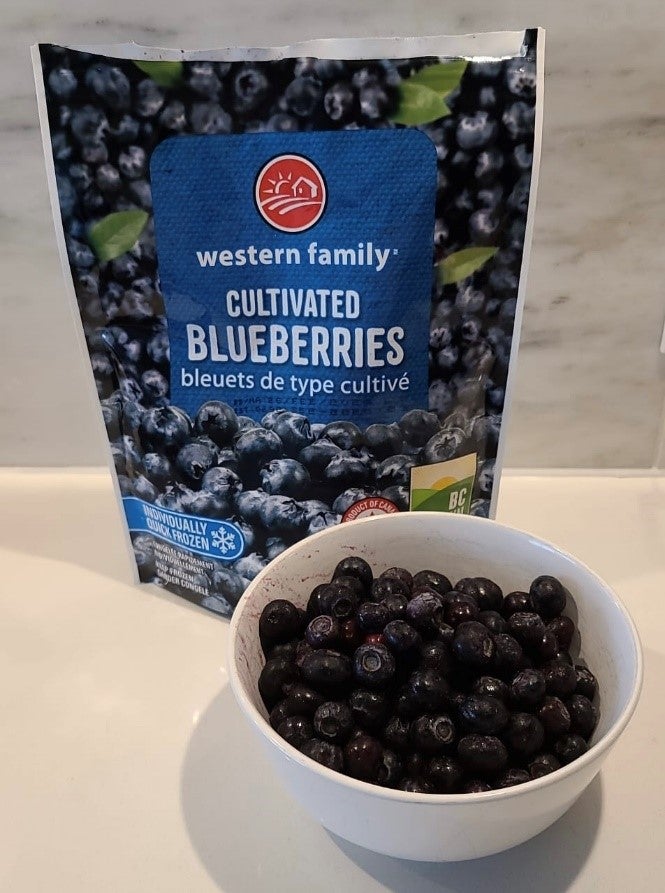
x: 299, y: 274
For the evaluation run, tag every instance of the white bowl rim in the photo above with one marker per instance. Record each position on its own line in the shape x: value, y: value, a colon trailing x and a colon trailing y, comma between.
x: 291, y: 753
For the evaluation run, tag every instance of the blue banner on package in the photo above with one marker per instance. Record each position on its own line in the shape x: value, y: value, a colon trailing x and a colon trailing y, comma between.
x: 296, y: 270
x: 214, y: 539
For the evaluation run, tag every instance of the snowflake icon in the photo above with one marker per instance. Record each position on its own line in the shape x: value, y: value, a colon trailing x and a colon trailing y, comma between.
x: 224, y: 540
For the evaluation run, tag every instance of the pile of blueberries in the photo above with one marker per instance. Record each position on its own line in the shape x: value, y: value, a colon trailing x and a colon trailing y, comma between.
x: 403, y: 681
x: 107, y: 115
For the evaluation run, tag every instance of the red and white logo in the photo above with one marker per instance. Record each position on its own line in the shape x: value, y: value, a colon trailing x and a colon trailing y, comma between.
x: 371, y: 505
x: 290, y: 193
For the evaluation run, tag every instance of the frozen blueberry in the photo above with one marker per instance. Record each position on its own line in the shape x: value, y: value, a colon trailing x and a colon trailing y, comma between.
x: 520, y: 77
x: 569, y: 748
x: 172, y: 117
x: 560, y: 679
x: 333, y: 721
x: 518, y: 120
x: 275, y: 676
x: 373, y: 665
x: 193, y: 461
x: 527, y: 627
x: 300, y: 701
x: 210, y: 117
x: 554, y: 717
x: 398, y: 495
x: 249, y: 503
x: 484, y: 754
x: 251, y: 89
x: 312, y: 507
x: 369, y: 708
x: 432, y: 580
x: 363, y: 757
x: 396, y: 733
x: 395, y: 604
x: 323, y: 631
x: 165, y: 428
x: 516, y: 602
x: 426, y: 691
x: 384, y: 440
x: 583, y: 715
x: 586, y: 683
x: 401, y: 637
x: 527, y: 689
x: 229, y: 584
x: 437, y: 656
x: 326, y: 669
x: 476, y: 131
x: 476, y: 786
x: 490, y: 686
x: 224, y: 483
x: 294, y: 431
x: 415, y: 786
x: 473, y: 644
x: 303, y: 96
x: 281, y: 513
x: 279, y: 622
x: 62, y: 82
x: 296, y: 730
x: 494, y: 622
x: 510, y: 777
x: 345, y: 435
x: 354, y: 566
x: 509, y: 656
x: 89, y: 125
x: 285, y: 477
x: 257, y: 446
x: 484, y: 714
x: 395, y: 471
x: 524, y: 734
x: 563, y: 629
x: 424, y: 610
x: 418, y: 426
x: 543, y: 764
x: 547, y: 596
x: 148, y: 98
x: 218, y: 421
x: 447, y: 444
x: 372, y: 616
x: 390, y: 770
x: 317, y: 456
x: 329, y: 755
x: 345, y: 470
x: 432, y: 733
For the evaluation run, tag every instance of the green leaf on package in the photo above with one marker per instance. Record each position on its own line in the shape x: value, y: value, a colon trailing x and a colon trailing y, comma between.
x: 166, y: 74
x: 116, y: 233
x: 442, y: 77
x: 462, y: 264
x: 418, y: 105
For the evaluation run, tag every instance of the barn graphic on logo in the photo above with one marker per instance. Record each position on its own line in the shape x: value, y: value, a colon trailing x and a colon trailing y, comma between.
x: 290, y: 193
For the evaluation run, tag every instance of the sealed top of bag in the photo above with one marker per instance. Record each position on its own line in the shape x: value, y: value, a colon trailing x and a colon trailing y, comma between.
x: 299, y: 273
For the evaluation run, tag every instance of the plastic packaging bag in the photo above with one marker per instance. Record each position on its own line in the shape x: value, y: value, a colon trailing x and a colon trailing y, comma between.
x: 300, y: 275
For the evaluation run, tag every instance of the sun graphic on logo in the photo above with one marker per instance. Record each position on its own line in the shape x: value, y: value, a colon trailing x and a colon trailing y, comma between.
x: 290, y: 193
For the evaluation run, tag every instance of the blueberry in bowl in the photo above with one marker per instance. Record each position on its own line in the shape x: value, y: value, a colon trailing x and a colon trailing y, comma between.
x: 464, y: 738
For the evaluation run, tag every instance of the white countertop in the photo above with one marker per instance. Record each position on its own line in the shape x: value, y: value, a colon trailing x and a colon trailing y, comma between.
x: 125, y: 765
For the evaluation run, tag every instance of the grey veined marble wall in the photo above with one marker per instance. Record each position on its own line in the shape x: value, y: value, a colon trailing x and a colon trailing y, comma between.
x: 591, y: 381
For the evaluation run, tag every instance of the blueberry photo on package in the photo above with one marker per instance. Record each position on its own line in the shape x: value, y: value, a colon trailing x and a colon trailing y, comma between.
x: 275, y: 473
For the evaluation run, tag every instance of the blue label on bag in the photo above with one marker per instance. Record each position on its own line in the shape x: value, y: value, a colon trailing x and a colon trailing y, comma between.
x: 297, y: 269
x: 212, y: 538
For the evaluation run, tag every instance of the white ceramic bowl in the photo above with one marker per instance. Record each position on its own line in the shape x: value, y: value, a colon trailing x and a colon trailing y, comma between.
x: 438, y: 827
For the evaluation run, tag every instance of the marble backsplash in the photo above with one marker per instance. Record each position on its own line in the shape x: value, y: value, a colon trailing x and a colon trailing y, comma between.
x: 590, y: 387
